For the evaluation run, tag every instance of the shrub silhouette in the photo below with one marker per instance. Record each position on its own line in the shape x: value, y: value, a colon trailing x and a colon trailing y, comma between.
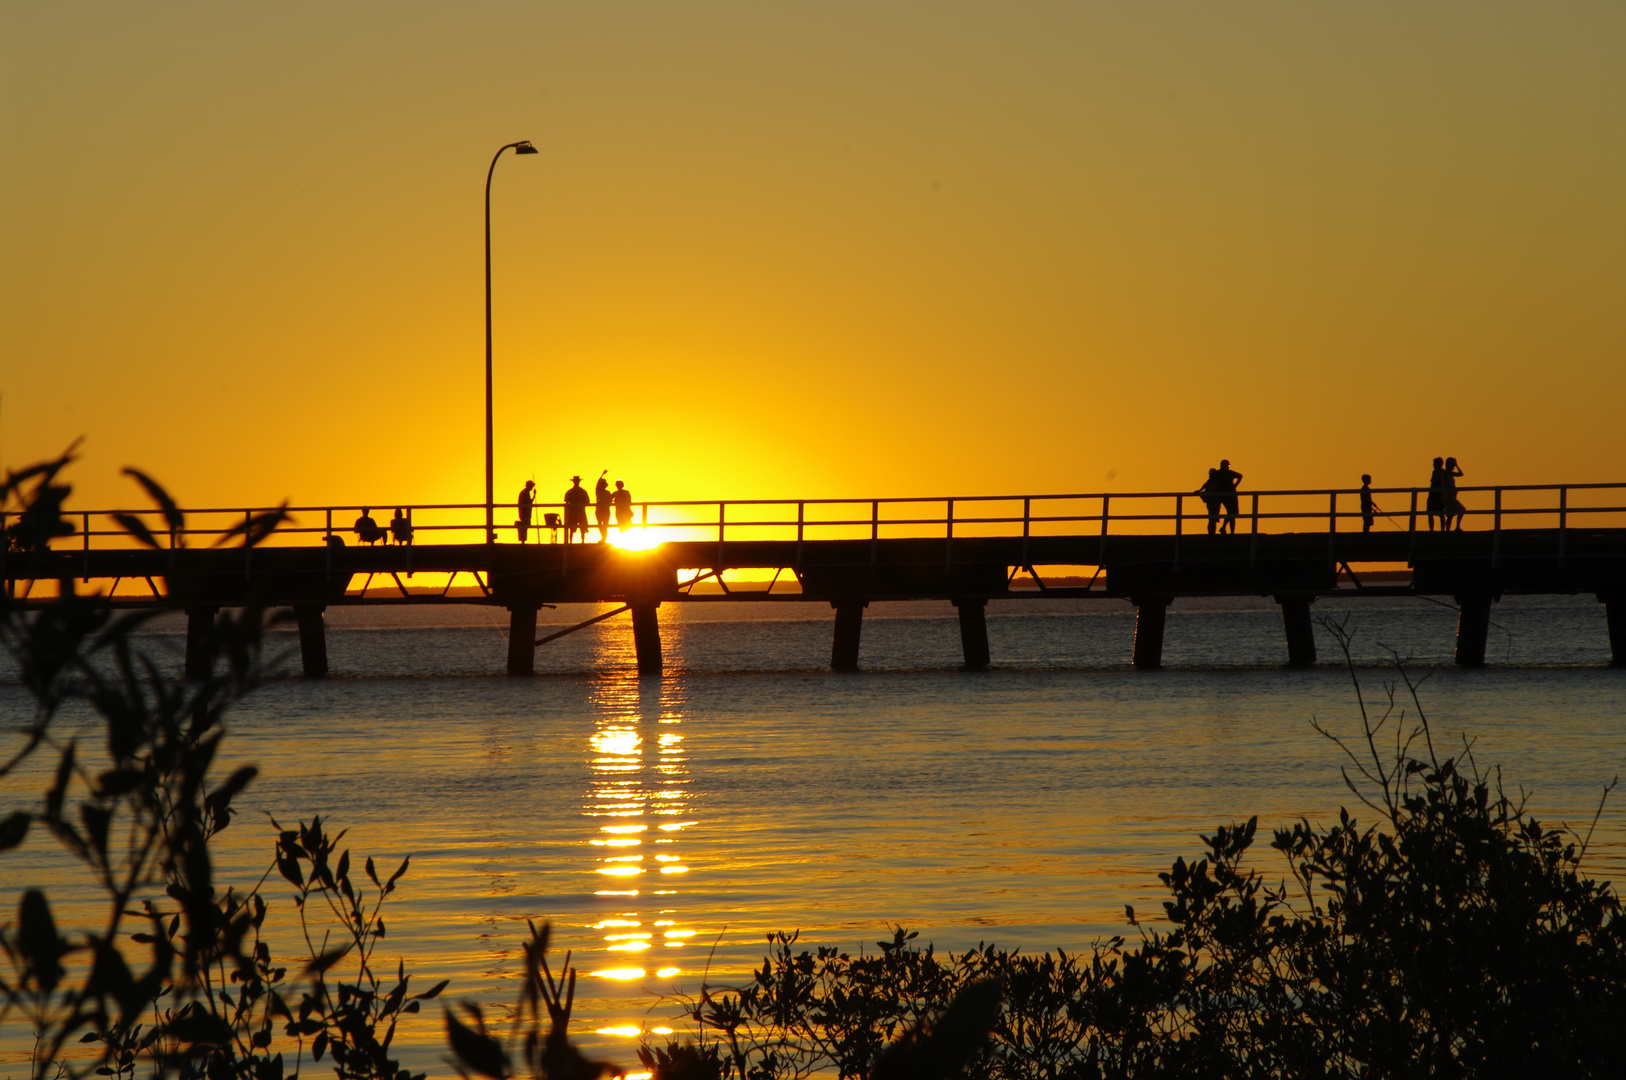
x: 1454, y: 936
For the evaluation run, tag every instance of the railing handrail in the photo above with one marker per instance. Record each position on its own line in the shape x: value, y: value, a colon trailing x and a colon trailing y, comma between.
x: 715, y: 519
x: 386, y: 506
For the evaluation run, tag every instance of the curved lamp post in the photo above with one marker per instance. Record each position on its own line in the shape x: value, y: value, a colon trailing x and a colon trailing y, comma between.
x: 522, y: 147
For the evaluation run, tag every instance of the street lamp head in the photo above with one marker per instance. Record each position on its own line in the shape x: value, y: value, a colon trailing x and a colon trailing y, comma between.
x: 524, y: 147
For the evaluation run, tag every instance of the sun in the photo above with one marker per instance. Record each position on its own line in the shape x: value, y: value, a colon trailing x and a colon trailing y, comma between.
x: 637, y: 538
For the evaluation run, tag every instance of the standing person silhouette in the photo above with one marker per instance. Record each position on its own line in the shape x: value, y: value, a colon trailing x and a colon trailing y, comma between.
x: 1228, y: 479
x: 1368, y: 507
x: 1211, y: 498
x: 623, y: 506
x: 1436, y: 494
x: 1451, y: 506
x: 601, y: 506
x: 527, y: 499
x: 576, y: 501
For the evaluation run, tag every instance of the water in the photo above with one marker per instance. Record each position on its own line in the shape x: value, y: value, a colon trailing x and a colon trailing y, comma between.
x: 1025, y: 805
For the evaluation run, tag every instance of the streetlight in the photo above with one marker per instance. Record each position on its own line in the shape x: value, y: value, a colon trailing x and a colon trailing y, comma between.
x: 522, y: 147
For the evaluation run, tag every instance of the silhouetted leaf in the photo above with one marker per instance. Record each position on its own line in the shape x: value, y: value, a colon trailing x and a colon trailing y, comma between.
x: 326, y: 960
x: 433, y: 991
x: 479, y: 1052
x: 172, y: 513
x: 13, y: 829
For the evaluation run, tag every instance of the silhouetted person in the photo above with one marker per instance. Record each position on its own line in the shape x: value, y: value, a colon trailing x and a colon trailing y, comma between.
x: 601, y: 506
x: 1436, y: 494
x: 400, y: 527
x: 1211, y: 498
x: 623, y: 506
x: 367, y: 530
x: 576, y: 501
x: 1368, y: 507
x: 1451, y: 506
x: 1228, y: 479
x: 527, y: 499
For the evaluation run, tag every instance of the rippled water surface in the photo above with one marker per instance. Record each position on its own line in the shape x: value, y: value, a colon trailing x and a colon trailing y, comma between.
x: 666, y: 825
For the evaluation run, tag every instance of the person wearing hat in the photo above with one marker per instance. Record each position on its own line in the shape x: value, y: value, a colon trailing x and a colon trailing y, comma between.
x: 576, y: 500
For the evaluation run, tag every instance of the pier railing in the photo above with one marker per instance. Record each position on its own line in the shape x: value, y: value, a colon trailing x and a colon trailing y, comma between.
x: 1560, y: 507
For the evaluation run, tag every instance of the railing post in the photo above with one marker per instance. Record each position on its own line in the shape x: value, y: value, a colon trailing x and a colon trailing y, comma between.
x: 327, y: 542
x: 1496, y: 530
x: 1253, y: 532
x: 1106, y: 515
x: 1563, y: 518
x: 948, y: 542
x: 248, y: 549
x: 1179, y: 526
x: 86, y: 568
x: 801, y: 523
x: 1026, y: 517
x: 1332, y: 525
x: 720, y: 517
x: 1411, y: 544
x: 874, y: 531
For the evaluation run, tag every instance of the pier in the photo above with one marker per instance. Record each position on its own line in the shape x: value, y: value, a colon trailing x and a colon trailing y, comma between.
x: 1148, y: 548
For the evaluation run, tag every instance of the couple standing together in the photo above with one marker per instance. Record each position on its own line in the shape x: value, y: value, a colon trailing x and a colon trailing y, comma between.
x: 1442, y: 495
x: 1218, y: 491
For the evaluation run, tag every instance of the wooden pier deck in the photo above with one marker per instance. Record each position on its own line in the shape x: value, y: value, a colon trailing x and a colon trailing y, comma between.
x: 965, y: 559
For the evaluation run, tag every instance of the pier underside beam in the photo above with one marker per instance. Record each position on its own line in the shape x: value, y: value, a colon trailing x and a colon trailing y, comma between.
x: 1614, y: 609
x: 974, y: 633
x: 646, y: 636
x: 1473, y: 628
x: 200, y: 642
x: 849, y: 623
x: 1300, y: 633
x: 1151, y: 616
x: 522, y: 639
x: 312, y: 639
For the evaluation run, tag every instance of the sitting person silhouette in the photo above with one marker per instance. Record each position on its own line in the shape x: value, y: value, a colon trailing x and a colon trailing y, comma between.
x: 367, y: 530
x: 401, y: 527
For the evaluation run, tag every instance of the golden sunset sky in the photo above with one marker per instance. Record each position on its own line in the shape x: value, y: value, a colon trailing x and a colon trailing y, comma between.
x: 812, y: 249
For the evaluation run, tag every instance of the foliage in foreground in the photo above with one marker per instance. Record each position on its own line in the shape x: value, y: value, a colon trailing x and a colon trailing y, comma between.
x: 175, y: 979
x: 1453, y: 936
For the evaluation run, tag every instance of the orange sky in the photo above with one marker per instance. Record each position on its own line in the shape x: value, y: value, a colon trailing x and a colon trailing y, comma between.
x: 832, y: 249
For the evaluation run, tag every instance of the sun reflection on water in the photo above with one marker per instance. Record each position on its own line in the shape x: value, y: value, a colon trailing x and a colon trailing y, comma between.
x: 638, y: 794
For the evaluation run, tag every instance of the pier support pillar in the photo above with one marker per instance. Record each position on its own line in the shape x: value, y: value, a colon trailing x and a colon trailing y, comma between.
x: 1151, y: 614
x: 312, y: 639
x: 646, y: 637
x: 1300, y: 634
x: 522, y: 640
x: 1614, y: 610
x: 200, y: 642
x: 849, y: 622
x: 1473, y: 628
x: 974, y: 633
